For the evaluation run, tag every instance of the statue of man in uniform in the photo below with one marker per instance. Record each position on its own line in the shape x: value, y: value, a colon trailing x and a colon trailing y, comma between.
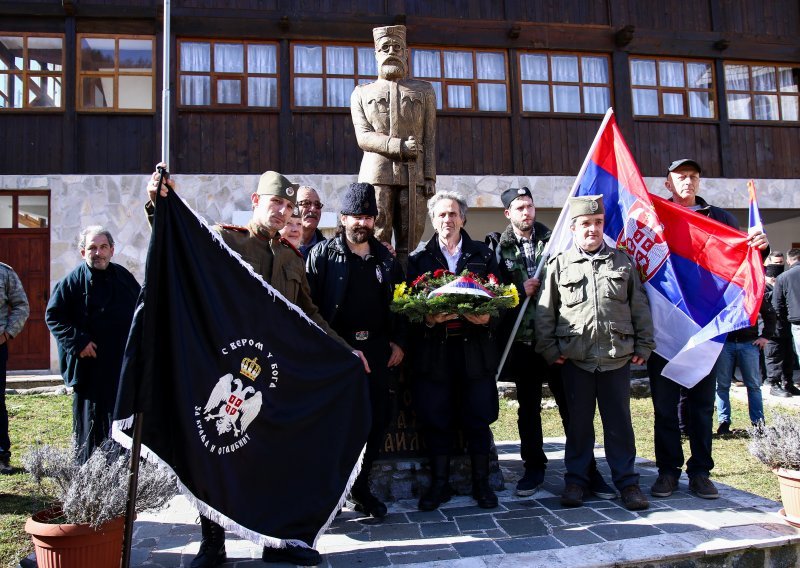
x: 395, y: 124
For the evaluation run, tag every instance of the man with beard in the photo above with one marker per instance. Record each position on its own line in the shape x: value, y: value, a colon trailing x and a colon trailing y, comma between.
x: 310, y: 213
x: 395, y: 124
x: 518, y: 251
x: 352, y: 279
x: 90, y: 314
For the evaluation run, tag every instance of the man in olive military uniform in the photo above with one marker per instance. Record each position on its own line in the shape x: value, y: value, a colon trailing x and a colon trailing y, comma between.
x: 593, y: 318
x: 281, y: 265
x: 352, y: 279
x: 518, y: 251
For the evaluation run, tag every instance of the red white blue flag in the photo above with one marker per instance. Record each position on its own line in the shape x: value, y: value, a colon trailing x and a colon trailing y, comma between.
x: 701, y: 278
x: 754, y: 218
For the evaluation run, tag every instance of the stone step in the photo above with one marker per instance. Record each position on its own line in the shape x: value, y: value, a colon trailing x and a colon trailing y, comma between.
x: 18, y: 382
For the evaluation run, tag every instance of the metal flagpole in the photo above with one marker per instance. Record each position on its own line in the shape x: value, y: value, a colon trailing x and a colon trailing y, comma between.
x: 557, y: 232
x: 136, y: 442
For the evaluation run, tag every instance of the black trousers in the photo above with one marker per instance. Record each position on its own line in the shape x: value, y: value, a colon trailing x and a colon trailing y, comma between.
x: 666, y: 394
x: 5, y: 442
x: 529, y: 371
x: 446, y: 406
x: 610, y: 391
x: 377, y: 353
x: 778, y: 361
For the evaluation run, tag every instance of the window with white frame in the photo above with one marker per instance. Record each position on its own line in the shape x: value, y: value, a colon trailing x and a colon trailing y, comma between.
x: 473, y: 80
x: 762, y: 91
x: 324, y: 75
x: 672, y: 88
x: 115, y: 73
x: 564, y: 83
x: 227, y: 74
x: 31, y: 71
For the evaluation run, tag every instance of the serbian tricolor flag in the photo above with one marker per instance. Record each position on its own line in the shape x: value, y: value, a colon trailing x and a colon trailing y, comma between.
x: 258, y: 412
x: 754, y: 216
x: 462, y: 285
x: 701, y: 278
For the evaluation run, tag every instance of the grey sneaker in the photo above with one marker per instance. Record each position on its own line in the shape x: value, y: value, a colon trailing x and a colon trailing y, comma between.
x: 599, y: 488
x: 702, y: 486
x: 664, y: 485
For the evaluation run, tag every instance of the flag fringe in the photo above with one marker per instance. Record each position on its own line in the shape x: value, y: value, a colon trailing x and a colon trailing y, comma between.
x: 204, y: 509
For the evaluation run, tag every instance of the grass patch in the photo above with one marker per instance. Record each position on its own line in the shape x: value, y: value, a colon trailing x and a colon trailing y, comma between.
x: 733, y: 464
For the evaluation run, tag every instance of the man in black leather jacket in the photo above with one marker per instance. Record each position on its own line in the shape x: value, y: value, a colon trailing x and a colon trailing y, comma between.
x: 352, y: 279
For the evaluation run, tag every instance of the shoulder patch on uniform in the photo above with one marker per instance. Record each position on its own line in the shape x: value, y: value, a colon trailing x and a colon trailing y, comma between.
x: 291, y: 246
x: 238, y: 228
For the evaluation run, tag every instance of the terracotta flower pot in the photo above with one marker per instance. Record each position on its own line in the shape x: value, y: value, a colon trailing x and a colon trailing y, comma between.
x: 789, y: 481
x: 74, y: 546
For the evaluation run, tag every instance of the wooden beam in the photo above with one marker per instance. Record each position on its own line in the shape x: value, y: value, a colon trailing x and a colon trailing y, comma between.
x: 725, y: 153
x: 70, y: 144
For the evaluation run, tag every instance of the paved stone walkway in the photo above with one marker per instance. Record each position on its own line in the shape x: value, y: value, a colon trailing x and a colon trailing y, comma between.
x: 534, y: 531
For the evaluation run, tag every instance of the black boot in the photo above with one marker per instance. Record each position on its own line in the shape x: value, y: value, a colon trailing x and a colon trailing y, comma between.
x: 212, y: 547
x: 776, y: 389
x: 481, y: 490
x: 439, y: 491
x: 364, y: 500
x: 789, y: 386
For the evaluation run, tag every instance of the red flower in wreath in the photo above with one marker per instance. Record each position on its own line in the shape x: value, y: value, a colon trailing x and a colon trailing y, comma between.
x: 441, y: 272
x: 420, y: 279
x: 493, y: 280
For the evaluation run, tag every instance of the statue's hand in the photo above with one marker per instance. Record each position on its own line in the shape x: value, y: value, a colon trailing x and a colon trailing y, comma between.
x: 430, y: 188
x: 409, y: 147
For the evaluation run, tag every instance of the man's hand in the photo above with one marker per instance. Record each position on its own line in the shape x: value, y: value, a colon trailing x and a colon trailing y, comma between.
x: 761, y: 342
x: 531, y: 286
x: 152, y: 186
x: 432, y: 320
x: 397, y: 355
x: 360, y: 355
x: 390, y: 248
x: 757, y: 239
x: 637, y: 360
x: 89, y: 351
x: 482, y: 319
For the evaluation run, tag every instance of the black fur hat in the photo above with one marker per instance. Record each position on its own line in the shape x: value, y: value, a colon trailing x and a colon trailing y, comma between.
x: 359, y: 200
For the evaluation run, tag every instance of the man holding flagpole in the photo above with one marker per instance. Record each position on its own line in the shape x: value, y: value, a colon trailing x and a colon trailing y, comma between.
x: 683, y: 182
x: 281, y: 265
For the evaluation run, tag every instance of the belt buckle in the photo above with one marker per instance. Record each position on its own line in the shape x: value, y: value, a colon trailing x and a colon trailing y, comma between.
x: 361, y: 335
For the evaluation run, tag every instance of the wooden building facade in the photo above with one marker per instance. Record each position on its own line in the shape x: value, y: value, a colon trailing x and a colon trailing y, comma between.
x: 735, y: 54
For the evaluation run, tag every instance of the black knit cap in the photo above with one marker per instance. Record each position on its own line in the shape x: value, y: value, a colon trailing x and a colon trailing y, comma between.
x: 359, y: 200
x: 512, y: 193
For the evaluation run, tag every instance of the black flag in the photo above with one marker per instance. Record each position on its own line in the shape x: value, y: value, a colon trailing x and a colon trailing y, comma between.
x: 259, y: 413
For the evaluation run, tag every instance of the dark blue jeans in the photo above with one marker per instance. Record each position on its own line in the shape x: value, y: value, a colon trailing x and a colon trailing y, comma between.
x: 666, y: 393
x: 5, y: 443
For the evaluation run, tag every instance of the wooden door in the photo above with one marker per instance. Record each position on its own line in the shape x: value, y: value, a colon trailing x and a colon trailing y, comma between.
x: 25, y: 246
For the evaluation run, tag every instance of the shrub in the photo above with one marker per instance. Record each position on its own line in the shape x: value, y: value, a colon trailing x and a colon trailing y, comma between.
x: 777, y: 444
x: 97, y: 491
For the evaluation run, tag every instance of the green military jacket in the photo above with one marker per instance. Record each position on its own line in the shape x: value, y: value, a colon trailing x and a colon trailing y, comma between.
x: 279, y: 264
x: 593, y: 311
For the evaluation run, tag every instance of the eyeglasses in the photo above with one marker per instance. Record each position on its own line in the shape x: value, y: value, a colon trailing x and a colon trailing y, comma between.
x: 309, y: 204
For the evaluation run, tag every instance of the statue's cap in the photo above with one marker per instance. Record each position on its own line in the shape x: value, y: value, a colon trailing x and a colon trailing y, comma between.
x: 396, y: 31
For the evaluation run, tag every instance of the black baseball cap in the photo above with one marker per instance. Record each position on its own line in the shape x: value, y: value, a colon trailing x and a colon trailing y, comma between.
x: 684, y: 162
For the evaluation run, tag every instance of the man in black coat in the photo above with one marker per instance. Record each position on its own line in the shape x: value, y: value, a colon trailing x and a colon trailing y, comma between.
x: 352, y: 279
x: 90, y: 314
x: 454, y: 359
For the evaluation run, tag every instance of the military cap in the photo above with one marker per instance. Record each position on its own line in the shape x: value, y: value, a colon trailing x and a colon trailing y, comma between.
x: 397, y: 31
x: 360, y: 200
x: 585, y: 205
x: 684, y: 162
x: 273, y: 183
x: 512, y: 193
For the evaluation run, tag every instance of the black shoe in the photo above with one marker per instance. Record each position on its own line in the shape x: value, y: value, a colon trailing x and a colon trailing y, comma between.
x: 439, y: 492
x: 572, y: 495
x: 365, y: 502
x: 293, y: 554
x: 481, y: 490
x: 792, y: 388
x: 702, y: 486
x: 599, y: 488
x: 664, y: 485
x: 5, y: 465
x: 634, y: 499
x: 724, y: 428
x: 530, y: 482
x: 777, y: 390
x: 212, y: 546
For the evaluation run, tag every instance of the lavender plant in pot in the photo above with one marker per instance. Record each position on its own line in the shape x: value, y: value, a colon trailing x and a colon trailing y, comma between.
x: 84, y: 525
x: 777, y: 445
